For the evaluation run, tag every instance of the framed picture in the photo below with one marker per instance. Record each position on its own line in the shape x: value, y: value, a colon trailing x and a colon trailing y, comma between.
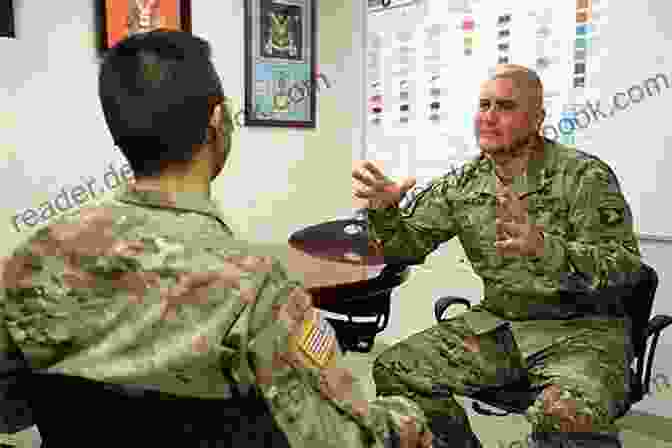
x: 7, y: 18
x: 281, y: 77
x: 122, y: 18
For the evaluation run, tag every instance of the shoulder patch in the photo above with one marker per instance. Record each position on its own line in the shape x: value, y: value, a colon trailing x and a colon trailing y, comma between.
x: 611, y: 216
x: 318, y: 340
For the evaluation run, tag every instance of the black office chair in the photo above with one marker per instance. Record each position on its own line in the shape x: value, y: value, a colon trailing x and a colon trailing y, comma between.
x: 517, y: 397
x: 366, y: 299
x: 76, y: 412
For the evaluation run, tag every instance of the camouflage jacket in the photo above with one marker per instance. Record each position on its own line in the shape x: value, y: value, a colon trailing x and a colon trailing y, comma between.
x: 152, y: 290
x: 590, y: 250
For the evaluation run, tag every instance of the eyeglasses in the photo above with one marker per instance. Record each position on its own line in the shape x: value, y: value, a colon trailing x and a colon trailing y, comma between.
x: 497, y: 106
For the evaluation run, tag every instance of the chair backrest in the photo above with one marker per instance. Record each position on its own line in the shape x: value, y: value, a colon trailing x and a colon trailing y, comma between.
x: 638, y: 306
x: 639, y: 303
x: 115, y: 417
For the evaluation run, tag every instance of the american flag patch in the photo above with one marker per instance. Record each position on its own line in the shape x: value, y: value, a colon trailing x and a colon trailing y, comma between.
x: 318, y: 340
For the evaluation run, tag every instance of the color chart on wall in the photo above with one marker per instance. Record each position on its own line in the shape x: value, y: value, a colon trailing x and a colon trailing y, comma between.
x: 375, y: 79
x: 582, y: 41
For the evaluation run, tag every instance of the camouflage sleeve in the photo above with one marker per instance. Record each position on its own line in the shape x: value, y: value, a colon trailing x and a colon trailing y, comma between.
x: 299, y: 368
x: 415, y: 228
x: 602, y: 249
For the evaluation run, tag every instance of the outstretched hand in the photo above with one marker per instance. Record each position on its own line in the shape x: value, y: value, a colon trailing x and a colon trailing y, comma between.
x: 378, y: 189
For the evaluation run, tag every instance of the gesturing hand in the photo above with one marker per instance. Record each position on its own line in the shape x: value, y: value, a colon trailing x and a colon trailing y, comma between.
x: 515, y: 235
x: 373, y: 185
x: 410, y: 438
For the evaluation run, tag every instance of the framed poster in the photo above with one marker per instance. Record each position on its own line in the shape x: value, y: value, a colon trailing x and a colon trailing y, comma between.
x: 280, y: 63
x: 121, y: 18
x: 7, y: 18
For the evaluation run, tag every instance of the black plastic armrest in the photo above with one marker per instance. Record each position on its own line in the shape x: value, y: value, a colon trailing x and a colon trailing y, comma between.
x: 393, y: 269
x: 657, y: 324
x: 441, y: 305
x: 398, y: 265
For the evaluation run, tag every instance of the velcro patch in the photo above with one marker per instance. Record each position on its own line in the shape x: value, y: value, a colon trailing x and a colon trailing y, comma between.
x: 611, y: 216
x: 318, y: 340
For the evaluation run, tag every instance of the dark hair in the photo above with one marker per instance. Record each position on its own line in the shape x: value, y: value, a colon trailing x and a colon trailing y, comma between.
x: 158, y: 91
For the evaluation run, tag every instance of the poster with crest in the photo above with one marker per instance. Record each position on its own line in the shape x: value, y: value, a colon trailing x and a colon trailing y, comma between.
x: 280, y: 63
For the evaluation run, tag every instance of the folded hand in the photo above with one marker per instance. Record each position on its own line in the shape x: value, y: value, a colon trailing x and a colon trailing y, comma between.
x: 515, y: 235
x: 410, y: 438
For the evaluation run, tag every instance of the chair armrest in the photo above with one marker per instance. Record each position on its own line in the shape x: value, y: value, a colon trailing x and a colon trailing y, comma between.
x: 657, y: 324
x: 442, y: 304
x: 394, y: 269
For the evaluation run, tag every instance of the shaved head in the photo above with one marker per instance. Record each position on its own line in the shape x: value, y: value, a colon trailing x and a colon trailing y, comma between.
x: 510, y: 109
x: 525, y: 79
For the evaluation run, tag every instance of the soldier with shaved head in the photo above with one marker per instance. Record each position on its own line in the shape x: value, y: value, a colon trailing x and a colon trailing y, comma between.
x: 550, y: 234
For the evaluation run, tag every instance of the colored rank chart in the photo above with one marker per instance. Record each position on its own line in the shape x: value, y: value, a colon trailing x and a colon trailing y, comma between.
x: 406, y: 56
x: 468, y: 25
x: 586, y: 64
x: 582, y: 41
x: 436, y: 58
x: 504, y: 39
x: 448, y: 45
x: 375, y: 79
x: 547, y: 60
x: 403, y: 80
x: 567, y: 123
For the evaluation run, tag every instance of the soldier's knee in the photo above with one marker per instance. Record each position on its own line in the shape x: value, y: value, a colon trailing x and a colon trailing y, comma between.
x: 565, y: 410
x: 472, y: 344
x: 391, y: 355
x: 384, y: 366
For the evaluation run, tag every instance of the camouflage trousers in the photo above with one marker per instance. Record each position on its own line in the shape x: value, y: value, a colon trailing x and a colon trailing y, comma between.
x: 581, y: 367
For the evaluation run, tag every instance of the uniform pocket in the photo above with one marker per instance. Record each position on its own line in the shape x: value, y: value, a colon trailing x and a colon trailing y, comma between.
x: 552, y: 212
x: 476, y: 218
x: 289, y: 401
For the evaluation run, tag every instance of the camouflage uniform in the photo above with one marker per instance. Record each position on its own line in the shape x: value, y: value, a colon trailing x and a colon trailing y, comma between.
x: 542, y: 316
x: 152, y: 289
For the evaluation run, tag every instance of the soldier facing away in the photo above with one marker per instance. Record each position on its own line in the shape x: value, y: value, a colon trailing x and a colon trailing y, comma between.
x: 142, y: 321
x: 547, y: 229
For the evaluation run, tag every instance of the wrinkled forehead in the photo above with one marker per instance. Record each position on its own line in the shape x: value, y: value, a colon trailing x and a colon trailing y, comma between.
x: 515, y: 86
x: 502, y: 88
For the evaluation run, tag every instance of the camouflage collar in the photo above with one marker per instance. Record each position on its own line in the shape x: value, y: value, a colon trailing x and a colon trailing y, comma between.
x: 486, y: 181
x: 185, y: 201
